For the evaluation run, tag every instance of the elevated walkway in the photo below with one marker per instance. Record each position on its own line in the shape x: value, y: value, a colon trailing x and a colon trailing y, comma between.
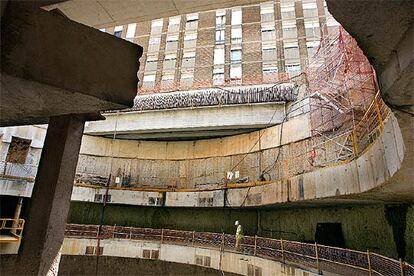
x: 219, y: 247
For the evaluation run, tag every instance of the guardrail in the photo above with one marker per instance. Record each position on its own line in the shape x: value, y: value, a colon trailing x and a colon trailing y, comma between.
x: 10, y: 170
x: 313, y: 256
x: 11, y: 230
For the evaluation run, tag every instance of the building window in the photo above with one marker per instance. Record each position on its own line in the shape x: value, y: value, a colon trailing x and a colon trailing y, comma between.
x: 99, y: 198
x: 312, y: 29
x: 187, y: 78
x: 218, y: 76
x: 172, y: 43
x: 268, y: 31
x: 289, y: 29
x: 236, y: 56
x: 269, y: 67
x: 150, y: 254
x: 236, y: 35
x: 156, y: 26
x: 312, y: 47
x: 253, y: 270
x: 203, y: 260
x: 92, y: 250
x: 18, y: 150
x: 188, y: 59
x: 220, y: 19
x: 220, y: 36
x: 174, y: 24
x: 131, y: 31
x: 291, y: 50
x: 219, y: 55
x: 236, y: 16
x: 149, y: 78
x: 309, y: 9
x: 293, y: 68
x: 154, y: 44
x: 169, y: 61
x: 168, y: 76
x: 269, y: 52
x: 118, y: 31
x: 288, y: 11
x: 151, y: 64
x: 235, y: 72
x: 267, y: 12
x: 190, y: 39
x: 167, y: 80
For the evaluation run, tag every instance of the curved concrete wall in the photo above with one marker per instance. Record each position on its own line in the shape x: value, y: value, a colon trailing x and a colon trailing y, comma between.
x: 225, y: 261
x: 295, y: 129
x: 372, y: 169
x: 187, y: 164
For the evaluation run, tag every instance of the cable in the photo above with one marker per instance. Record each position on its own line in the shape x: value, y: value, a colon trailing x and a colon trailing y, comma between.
x: 105, y: 198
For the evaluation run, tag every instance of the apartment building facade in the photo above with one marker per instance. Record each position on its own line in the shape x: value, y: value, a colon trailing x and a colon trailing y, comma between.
x: 250, y: 44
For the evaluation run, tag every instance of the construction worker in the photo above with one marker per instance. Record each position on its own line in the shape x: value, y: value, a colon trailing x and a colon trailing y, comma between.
x: 239, y: 235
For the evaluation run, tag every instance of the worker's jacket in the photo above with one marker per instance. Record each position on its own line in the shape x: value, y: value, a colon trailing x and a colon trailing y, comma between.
x: 239, y: 231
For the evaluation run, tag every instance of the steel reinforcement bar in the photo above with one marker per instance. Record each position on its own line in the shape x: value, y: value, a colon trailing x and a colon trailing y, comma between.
x: 314, y: 256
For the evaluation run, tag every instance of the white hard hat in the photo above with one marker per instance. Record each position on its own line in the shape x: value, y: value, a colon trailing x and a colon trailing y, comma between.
x: 236, y: 222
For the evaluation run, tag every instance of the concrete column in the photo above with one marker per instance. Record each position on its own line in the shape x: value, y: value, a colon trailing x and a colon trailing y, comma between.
x: 17, y: 212
x: 279, y: 38
x: 322, y: 17
x: 161, y: 52
x: 300, y: 26
x: 48, y: 208
x: 227, y: 45
x: 180, y: 49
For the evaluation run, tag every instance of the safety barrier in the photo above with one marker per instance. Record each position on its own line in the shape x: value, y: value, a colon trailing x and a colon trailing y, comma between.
x: 14, y: 171
x: 309, y: 255
x: 11, y: 230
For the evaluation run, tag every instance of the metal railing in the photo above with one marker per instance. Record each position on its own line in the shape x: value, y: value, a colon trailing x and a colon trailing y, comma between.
x: 18, y: 171
x: 11, y: 230
x: 310, y: 255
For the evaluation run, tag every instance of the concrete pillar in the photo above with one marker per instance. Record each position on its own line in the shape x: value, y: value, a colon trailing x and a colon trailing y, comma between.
x: 48, y: 208
x: 227, y: 45
x: 279, y: 38
x: 180, y: 49
x: 300, y: 26
x: 322, y: 17
x: 161, y: 52
x: 17, y: 212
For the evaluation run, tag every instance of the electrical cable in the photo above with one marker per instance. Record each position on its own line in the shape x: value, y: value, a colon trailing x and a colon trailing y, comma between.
x: 224, y: 180
x: 105, y: 197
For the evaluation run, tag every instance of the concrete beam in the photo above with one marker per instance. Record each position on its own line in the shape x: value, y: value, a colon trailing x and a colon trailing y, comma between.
x: 51, y: 66
x: 188, y: 123
x: 49, y: 206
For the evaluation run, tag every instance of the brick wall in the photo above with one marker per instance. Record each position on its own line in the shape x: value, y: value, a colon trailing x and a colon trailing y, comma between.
x: 251, y: 43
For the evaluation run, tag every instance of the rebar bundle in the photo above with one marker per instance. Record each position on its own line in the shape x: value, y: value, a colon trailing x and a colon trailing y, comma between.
x: 283, y: 92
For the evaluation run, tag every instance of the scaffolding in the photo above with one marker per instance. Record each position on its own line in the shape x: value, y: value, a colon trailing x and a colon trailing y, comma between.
x: 342, y: 88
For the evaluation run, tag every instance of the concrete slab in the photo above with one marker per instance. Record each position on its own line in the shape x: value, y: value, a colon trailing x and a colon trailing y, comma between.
x: 51, y: 66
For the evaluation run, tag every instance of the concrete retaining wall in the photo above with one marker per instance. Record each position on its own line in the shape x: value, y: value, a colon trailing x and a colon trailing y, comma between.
x: 228, y: 261
x: 372, y: 169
